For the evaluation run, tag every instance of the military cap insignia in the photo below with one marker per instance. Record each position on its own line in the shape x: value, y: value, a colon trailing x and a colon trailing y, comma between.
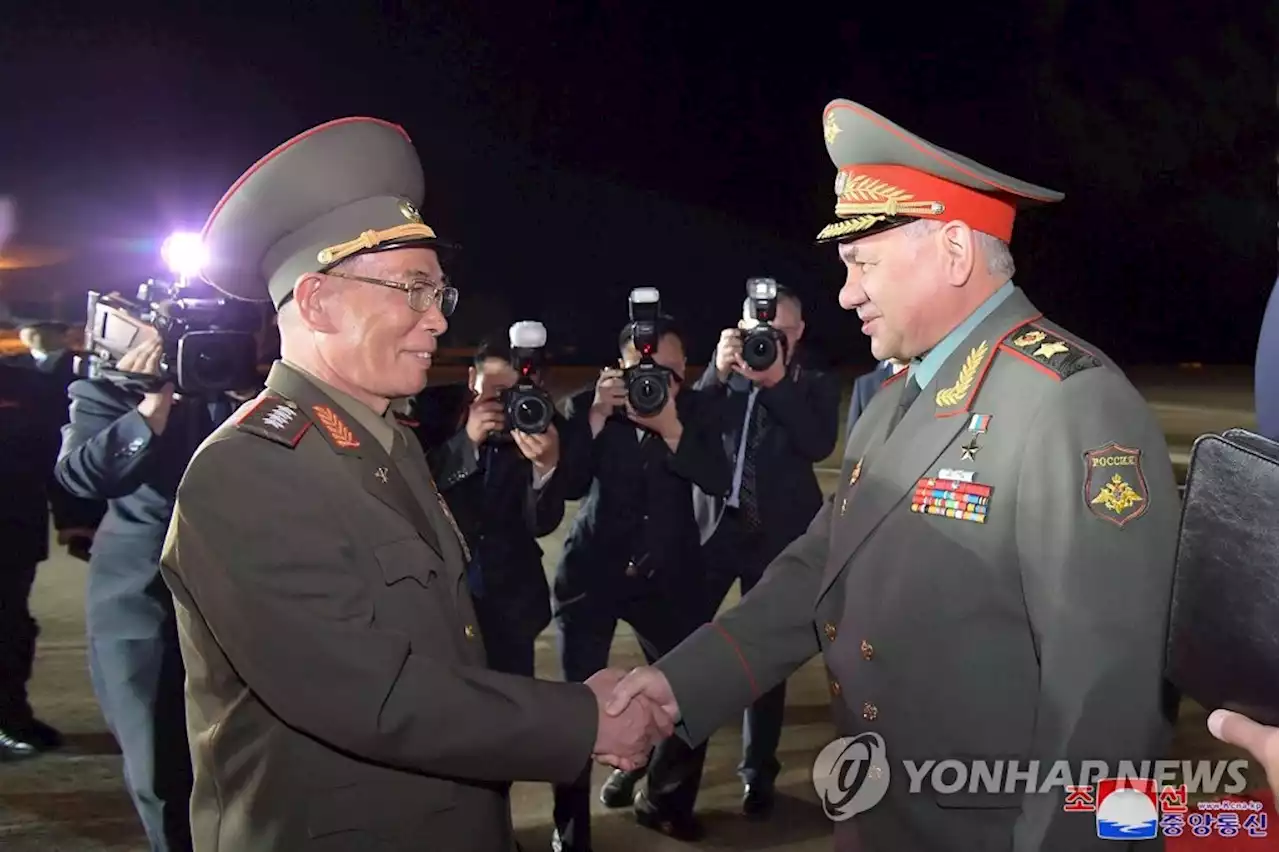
x: 339, y: 432
x: 1115, y: 489
x: 830, y: 128
x: 1053, y: 354
x: 409, y: 211
x: 276, y: 419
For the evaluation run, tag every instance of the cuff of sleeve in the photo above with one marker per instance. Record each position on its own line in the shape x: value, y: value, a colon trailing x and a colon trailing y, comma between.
x: 539, y: 481
x: 133, y: 434
x: 710, y: 679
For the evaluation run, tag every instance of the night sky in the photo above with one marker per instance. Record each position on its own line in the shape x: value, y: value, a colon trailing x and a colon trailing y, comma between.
x: 578, y: 150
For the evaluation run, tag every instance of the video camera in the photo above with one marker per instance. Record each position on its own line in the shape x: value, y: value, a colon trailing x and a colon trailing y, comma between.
x: 208, y: 342
x: 648, y: 383
x: 528, y: 408
x: 761, y: 344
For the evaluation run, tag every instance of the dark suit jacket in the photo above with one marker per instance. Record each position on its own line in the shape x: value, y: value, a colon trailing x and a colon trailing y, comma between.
x: 337, y: 693
x: 30, y: 412
x: 803, y: 411
x: 1267, y: 369
x: 636, y: 499
x: 502, y: 516
x: 865, y: 387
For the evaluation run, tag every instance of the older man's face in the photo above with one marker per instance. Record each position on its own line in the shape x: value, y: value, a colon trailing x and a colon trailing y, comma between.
x: 383, y: 346
x: 892, y: 280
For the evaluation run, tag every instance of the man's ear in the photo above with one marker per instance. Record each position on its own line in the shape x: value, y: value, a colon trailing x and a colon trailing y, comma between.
x: 957, y: 245
x: 799, y: 330
x: 471, y: 379
x: 313, y: 298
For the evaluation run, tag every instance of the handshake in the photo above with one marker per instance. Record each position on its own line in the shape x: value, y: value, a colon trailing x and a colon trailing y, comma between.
x: 636, y: 712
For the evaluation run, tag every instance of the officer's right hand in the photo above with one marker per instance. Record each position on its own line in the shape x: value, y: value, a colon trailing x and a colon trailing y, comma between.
x: 728, y: 352
x: 144, y: 359
x: 484, y: 417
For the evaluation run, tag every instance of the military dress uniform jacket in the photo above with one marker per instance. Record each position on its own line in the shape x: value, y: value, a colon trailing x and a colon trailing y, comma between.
x: 337, y: 691
x: 989, y: 582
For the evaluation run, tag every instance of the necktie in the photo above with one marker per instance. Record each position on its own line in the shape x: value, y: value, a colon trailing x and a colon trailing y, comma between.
x: 747, y: 489
x: 909, y: 394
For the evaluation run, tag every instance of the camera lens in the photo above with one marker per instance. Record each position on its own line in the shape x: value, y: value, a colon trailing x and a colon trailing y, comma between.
x: 759, y: 351
x: 647, y: 394
x: 530, y: 414
x: 212, y: 368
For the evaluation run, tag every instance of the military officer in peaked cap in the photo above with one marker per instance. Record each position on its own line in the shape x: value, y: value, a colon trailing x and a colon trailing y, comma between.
x: 990, y: 580
x: 336, y: 683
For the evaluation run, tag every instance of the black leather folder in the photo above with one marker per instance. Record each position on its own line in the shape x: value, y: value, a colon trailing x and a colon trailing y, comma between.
x: 1223, y: 649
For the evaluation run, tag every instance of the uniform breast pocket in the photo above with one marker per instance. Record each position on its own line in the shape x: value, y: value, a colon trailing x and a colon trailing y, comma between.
x: 409, y: 559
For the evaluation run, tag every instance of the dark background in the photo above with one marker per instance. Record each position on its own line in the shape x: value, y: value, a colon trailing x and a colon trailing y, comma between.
x: 580, y: 149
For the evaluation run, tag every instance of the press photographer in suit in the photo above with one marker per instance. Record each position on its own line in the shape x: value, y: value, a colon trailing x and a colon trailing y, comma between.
x: 633, y: 553
x: 129, y: 448
x: 500, y: 484
x: 779, y: 420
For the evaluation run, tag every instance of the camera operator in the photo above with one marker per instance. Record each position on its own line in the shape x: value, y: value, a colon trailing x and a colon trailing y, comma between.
x: 129, y: 444
x: 779, y: 421
x: 499, y: 483
x: 633, y: 553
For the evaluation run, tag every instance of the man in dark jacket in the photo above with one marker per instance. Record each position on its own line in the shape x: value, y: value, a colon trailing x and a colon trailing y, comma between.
x: 502, y: 489
x: 634, y: 554
x: 29, y: 412
x: 776, y: 425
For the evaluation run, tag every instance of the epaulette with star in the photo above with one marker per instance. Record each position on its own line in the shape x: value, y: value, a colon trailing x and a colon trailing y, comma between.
x: 276, y: 419
x: 1052, y: 353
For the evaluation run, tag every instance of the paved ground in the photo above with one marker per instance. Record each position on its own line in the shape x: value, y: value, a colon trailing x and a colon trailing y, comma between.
x: 75, y: 802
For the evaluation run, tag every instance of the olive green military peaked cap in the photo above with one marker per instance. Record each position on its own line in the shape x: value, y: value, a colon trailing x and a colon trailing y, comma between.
x: 343, y: 188
x: 887, y: 176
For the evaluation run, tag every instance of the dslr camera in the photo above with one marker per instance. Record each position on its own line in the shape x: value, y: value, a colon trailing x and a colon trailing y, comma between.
x: 208, y: 342
x: 648, y: 383
x: 761, y: 344
x: 528, y: 407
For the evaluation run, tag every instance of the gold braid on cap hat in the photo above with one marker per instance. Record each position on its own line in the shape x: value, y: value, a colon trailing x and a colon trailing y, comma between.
x: 373, y: 239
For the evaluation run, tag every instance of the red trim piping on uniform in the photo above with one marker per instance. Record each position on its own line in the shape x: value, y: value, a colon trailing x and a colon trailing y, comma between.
x: 280, y: 149
x: 893, y: 378
x: 751, y: 679
x: 932, y: 152
x: 1033, y: 362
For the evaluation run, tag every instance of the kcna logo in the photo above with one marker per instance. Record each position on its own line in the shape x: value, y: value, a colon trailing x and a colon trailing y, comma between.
x: 851, y: 775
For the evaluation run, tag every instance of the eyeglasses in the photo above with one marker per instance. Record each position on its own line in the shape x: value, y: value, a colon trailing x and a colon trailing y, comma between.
x: 423, y: 292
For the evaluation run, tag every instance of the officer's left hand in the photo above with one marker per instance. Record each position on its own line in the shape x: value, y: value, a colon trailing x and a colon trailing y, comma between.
x: 543, y: 450
x: 764, y: 378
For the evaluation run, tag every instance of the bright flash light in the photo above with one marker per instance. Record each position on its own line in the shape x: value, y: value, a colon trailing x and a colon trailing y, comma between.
x: 184, y: 254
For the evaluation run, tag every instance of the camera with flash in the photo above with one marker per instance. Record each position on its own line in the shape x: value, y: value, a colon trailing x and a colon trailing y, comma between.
x: 761, y: 344
x: 648, y: 383
x: 528, y: 408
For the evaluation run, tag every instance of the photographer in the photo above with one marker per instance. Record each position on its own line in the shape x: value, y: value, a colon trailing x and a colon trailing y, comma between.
x: 779, y: 421
x: 633, y: 554
x: 128, y: 443
x: 500, y: 485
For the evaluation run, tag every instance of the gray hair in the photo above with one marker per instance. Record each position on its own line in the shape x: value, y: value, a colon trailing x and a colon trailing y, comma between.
x: 995, y: 250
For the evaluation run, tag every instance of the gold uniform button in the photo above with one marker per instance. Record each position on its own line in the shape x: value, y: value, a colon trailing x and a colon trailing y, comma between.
x: 835, y: 687
x: 868, y: 651
x: 470, y: 631
x: 830, y: 630
x: 870, y: 711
